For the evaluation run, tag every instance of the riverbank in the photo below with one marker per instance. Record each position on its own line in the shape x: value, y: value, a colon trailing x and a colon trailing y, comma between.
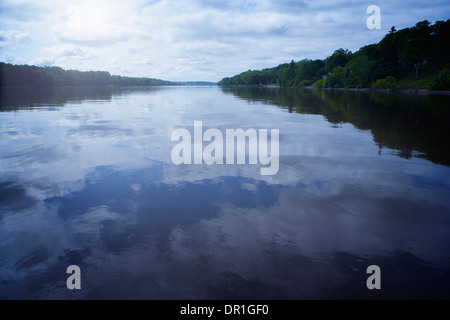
x: 399, y: 90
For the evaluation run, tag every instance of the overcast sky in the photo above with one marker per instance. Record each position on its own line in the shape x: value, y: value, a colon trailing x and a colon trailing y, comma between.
x: 193, y: 39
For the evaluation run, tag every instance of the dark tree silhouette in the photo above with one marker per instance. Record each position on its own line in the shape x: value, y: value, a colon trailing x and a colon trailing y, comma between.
x: 411, y: 55
x: 25, y: 75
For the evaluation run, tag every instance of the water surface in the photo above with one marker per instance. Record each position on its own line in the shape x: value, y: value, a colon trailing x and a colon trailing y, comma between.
x: 86, y: 178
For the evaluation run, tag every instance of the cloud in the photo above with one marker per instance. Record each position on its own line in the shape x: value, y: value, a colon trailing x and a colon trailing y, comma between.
x: 24, y: 11
x: 64, y: 50
x: 69, y: 52
x: 143, y: 61
x: 93, y: 24
x: 94, y: 39
x: 14, y: 36
x: 43, y: 62
x: 211, y: 39
x: 9, y: 58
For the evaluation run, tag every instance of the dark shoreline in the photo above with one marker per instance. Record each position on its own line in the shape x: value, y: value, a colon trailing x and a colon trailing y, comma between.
x: 401, y: 91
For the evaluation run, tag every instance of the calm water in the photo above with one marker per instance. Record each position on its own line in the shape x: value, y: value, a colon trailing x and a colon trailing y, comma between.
x: 86, y: 178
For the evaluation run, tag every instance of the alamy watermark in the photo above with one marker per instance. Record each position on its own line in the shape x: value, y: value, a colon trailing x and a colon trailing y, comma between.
x: 73, y: 281
x: 191, y: 151
x: 374, y: 280
x: 374, y: 21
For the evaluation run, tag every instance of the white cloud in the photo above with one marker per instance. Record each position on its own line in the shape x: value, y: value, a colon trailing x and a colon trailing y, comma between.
x: 197, y: 39
x: 43, y: 62
x: 20, y: 11
x: 8, y: 58
x: 69, y: 52
x: 143, y: 61
x: 89, y: 25
x: 14, y: 36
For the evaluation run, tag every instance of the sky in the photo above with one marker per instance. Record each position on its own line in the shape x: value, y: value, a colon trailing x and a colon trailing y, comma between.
x: 194, y: 40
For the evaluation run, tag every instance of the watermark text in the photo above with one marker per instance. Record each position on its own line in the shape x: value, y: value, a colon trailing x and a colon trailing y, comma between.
x: 234, y: 144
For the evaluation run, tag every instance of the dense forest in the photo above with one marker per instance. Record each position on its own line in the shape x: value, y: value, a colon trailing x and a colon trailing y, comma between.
x: 416, y: 57
x: 25, y: 75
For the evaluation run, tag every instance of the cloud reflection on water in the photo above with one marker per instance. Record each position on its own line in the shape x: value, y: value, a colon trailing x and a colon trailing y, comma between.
x: 93, y: 185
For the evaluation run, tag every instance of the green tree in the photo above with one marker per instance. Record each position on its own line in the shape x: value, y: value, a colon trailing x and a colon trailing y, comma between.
x: 339, y: 58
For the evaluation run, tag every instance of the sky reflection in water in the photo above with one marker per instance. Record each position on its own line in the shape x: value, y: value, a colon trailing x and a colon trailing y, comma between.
x: 86, y: 178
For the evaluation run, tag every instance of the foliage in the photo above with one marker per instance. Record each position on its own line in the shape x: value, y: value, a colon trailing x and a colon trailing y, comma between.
x: 322, y: 83
x: 441, y: 81
x: 413, y: 53
x: 386, y: 83
x: 25, y: 75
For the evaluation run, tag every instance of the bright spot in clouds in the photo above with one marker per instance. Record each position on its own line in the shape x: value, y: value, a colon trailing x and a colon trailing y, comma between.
x: 87, y: 18
x: 193, y: 39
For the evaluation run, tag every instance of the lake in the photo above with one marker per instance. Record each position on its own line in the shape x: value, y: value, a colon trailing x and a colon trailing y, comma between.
x: 87, y: 179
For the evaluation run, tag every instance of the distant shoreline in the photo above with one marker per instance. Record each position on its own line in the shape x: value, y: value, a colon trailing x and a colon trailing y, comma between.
x: 104, y: 86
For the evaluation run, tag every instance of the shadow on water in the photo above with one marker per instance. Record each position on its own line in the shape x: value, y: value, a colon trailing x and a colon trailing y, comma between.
x: 413, y: 125
x: 29, y: 98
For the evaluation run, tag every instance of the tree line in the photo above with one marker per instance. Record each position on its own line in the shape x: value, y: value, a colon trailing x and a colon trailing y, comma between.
x: 25, y: 75
x: 416, y: 57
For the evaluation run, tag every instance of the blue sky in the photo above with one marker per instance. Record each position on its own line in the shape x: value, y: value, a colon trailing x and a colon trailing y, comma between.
x: 193, y: 39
